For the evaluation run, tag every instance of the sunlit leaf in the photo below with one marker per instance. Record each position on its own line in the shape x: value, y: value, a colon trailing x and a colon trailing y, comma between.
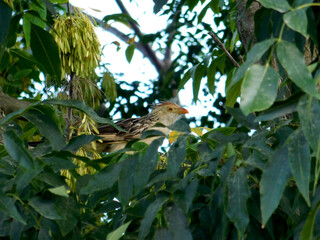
x: 259, y: 88
x: 129, y: 52
x: 297, y: 20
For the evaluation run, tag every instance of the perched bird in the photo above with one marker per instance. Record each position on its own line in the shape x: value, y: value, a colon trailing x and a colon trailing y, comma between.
x: 165, y: 113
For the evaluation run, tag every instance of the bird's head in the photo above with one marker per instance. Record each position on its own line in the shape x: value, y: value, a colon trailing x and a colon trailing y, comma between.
x: 168, y: 112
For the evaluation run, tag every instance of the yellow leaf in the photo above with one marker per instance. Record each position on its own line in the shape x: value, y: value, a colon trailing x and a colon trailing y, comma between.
x: 173, y: 136
x: 197, y: 130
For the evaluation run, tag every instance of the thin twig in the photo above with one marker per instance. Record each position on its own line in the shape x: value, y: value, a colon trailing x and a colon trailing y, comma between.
x: 220, y: 44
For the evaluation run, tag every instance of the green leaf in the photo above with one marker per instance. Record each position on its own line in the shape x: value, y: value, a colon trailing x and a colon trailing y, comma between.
x: 120, y: 17
x: 105, y: 179
x: 33, y: 18
x: 293, y: 62
x: 238, y: 194
x: 45, y: 50
x: 300, y: 162
x: 129, y: 52
x: 273, y: 182
x: 297, y: 20
x: 281, y: 6
x: 177, y: 223
x: 5, y: 19
x: 176, y: 155
x: 21, y: 74
x: 149, y: 216
x: 43, y: 117
x: 307, y: 230
x: 7, y: 206
x: 197, y: 73
x: 146, y: 165
x: 81, y: 106
x: 45, y: 208
x: 309, y: 110
x: 15, y: 148
x: 158, y: 4
x: 71, y: 216
x: 185, y: 78
x: 253, y: 56
x: 27, y: 30
x: 280, y: 109
x: 79, y: 141
x: 126, y: 178
x: 248, y: 121
x: 259, y: 88
x: 59, y: 1
x: 211, y: 75
x: 119, y: 232
x: 23, y: 56
x: 59, y: 191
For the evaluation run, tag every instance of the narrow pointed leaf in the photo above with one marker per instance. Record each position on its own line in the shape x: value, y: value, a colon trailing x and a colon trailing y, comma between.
x: 84, y: 108
x: 259, y: 88
x: 176, y: 155
x: 15, y: 148
x: 45, y: 50
x: 79, y: 141
x: 293, y: 62
x: 309, y: 112
x: 118, y: 233
x: 45, y: 208
x: 253, y: 56
x: 7, y: 206
x: 273, y: 182
x: 307, y: 230
x: 105, y: 179
x: 177, y: 223
x: 297, y: 20
x: 238, y: 194
x: 300, y: 162
x: 43, y: 118
x: 126, y: 178
x: 129, y: 52
x: 149, y: 216
x: 146, y: 165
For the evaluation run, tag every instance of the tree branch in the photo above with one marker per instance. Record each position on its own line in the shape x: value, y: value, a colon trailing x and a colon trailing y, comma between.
x: 148, y: 52
x: 220, y: 44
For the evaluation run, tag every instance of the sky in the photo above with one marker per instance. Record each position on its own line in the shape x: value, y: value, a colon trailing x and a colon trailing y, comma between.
x: 140, y: 68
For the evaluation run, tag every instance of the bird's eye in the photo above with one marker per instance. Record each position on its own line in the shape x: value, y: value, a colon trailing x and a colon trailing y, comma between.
x: 170, y: 109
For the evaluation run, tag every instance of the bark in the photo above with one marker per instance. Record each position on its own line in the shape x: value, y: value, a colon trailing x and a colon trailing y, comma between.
x: 245, y: 22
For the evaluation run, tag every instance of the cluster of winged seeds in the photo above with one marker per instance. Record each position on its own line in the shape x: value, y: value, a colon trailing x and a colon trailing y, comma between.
x: 78, y: 43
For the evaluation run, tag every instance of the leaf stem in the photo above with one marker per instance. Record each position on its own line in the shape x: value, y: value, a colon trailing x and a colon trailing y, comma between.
x: 308, y: 5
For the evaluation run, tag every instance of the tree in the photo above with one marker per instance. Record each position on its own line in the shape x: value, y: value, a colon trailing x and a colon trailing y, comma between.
x: 255, y: 178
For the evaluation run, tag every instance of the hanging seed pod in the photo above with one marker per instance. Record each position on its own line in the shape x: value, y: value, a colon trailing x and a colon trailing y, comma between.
x: 78, y: 43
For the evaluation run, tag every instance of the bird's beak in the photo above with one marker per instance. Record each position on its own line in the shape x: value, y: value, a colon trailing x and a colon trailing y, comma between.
x: 183, y: 111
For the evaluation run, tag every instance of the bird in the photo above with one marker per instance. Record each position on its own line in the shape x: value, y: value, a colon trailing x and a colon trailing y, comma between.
x: 165, y: 113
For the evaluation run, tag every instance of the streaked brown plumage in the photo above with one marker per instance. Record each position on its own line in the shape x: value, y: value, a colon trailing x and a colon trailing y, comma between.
x: 164, y: 113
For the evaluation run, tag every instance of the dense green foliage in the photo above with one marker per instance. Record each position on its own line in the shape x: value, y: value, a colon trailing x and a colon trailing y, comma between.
x: 255, y: 178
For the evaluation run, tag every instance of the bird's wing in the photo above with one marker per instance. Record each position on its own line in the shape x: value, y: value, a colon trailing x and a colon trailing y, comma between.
x: 134, y: 128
